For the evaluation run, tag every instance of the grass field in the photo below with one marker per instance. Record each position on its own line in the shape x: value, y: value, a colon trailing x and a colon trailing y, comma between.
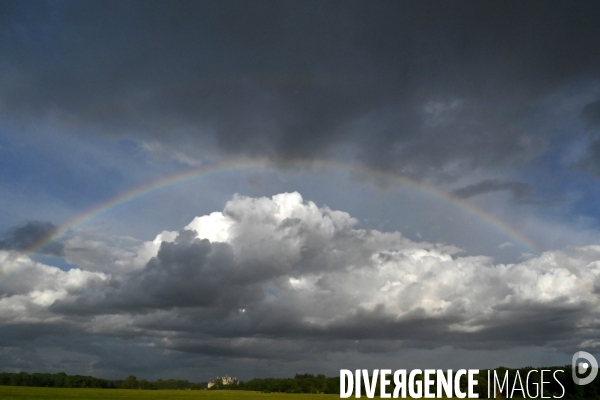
x: 33, y: 393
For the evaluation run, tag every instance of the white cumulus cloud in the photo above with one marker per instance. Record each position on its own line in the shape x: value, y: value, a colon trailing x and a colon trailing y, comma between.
x: 283, y: 273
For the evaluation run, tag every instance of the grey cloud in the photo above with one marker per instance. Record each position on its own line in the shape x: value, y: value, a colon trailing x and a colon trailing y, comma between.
x: 521, y: 191
x: 298, y: 79
x: 191, y: 273
x: 30, y: 235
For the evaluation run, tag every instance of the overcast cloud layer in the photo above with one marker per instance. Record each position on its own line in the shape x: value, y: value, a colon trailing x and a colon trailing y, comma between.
x: 459, y: 139
x: 409, y: 85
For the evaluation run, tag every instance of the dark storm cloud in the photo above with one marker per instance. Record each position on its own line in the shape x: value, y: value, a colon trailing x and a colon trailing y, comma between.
x: 13, y: 334
x: 300, y: 78
x: 31, y: 234
x: 521, y: 191
x: 190, y: 273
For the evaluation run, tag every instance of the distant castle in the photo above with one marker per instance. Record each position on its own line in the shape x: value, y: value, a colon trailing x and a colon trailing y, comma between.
x: 226, y: 380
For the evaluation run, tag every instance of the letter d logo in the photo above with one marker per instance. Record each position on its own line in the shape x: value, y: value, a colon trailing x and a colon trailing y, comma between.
x: 582, y: 367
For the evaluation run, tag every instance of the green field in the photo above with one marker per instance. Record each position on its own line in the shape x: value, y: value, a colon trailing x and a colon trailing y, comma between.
x: 35, y: 393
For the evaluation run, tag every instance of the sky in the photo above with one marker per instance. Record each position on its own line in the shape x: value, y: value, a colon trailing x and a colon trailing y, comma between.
x: 198, y: 188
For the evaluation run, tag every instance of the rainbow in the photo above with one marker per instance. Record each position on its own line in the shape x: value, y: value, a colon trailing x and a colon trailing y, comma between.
x: 257, y: 163
x: 262, y: 163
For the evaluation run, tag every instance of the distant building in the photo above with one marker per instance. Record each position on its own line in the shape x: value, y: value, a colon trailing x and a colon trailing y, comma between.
x: 225, y: 380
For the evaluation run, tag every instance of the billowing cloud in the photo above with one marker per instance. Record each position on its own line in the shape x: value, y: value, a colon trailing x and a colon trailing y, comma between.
x: 280, y: 278
x: 29, y: 288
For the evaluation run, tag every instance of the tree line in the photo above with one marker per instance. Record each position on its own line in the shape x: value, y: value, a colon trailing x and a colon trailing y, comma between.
x: 62, y: 380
